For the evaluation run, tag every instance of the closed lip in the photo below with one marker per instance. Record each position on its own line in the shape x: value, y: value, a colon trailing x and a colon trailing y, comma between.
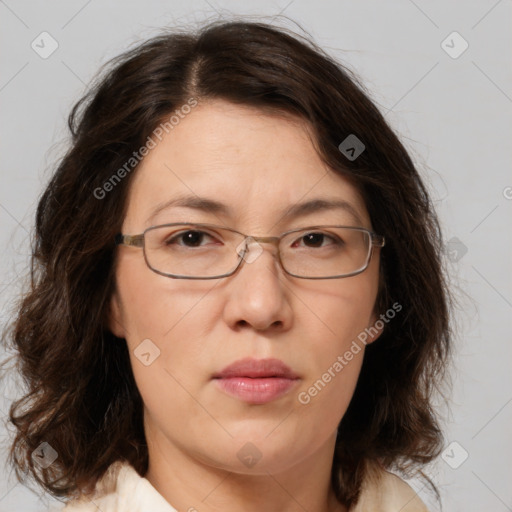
x: 257, y: 368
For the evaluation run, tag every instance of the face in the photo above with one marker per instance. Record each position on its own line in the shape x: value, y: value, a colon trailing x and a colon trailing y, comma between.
x: 258, y: 166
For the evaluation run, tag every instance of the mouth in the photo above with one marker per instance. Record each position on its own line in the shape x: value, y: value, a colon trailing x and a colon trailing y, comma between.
x: 256, y: 381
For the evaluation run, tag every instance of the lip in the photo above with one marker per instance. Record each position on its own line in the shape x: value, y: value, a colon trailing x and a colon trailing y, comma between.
x: 256, y: 381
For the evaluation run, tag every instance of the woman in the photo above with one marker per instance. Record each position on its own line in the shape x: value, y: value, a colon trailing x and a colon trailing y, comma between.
x: 237, y: 300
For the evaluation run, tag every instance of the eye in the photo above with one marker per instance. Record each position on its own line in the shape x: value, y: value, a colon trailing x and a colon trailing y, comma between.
x: 315, y: 239
x: 190, y: 238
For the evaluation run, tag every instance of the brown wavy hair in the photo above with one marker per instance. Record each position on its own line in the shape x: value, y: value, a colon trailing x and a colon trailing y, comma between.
x: 81, y: 396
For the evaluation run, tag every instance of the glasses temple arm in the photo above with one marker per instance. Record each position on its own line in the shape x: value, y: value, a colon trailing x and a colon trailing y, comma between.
x: 378, y: 240
x: 135, y: 240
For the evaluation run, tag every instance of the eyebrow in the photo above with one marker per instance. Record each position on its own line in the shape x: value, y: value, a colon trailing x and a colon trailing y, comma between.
x: 292, y: 212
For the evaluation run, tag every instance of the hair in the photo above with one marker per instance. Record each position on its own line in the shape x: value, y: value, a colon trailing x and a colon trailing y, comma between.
x: 81, y: 395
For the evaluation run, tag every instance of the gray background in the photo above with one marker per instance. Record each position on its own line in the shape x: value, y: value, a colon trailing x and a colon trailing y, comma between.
x: 453, y: 114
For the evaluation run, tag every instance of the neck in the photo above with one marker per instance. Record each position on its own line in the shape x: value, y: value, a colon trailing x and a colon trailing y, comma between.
x: 195, y: 486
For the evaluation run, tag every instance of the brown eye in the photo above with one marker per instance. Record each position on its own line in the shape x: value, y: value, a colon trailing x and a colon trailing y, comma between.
x: 189, y: 238
x: 317, y: 239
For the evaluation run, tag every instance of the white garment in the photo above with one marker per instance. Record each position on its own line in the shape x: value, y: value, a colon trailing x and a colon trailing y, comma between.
x: 123, y: 490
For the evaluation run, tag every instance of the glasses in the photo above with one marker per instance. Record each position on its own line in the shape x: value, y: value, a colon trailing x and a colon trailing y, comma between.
x: 207, y: 251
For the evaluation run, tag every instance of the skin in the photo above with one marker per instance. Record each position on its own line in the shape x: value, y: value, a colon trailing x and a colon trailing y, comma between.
x: 257, y: 164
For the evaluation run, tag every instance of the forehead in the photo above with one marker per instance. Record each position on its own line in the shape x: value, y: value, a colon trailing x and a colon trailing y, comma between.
x: 258, y: 165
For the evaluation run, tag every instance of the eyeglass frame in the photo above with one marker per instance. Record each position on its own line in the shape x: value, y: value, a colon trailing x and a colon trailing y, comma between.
x: 139, y: 241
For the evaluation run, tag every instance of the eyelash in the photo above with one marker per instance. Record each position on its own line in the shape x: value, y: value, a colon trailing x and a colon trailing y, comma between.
x: 171, y: 240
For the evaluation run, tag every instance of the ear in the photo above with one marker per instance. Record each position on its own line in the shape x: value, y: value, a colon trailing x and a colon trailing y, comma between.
x: 375, y: 328
x: 115, y: 317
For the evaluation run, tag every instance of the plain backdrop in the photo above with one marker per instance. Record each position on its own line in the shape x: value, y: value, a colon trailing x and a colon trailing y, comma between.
x: 448, y: 95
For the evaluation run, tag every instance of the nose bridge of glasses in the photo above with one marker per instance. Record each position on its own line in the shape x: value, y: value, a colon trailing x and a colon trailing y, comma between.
x: 274, y: 240
x: 264, y: 239
x: 250, y: 240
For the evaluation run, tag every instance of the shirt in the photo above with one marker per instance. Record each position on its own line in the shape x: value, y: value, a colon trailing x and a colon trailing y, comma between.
x: 122, y: 489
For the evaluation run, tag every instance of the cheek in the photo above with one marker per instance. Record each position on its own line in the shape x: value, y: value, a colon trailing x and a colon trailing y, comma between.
x: 154, y: 306
x: 340, y: 312
x: 336, y: 325
x: 162, y: 320
x: 324, y: 398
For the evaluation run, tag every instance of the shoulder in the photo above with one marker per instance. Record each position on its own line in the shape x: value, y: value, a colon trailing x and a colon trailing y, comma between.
x: 383, y: 491
x: 121, y: 489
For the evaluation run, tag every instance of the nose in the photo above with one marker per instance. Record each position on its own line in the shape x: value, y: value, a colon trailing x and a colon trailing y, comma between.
x: 259, y: 295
